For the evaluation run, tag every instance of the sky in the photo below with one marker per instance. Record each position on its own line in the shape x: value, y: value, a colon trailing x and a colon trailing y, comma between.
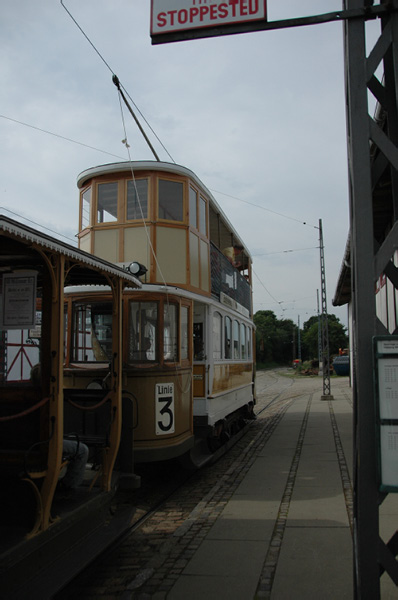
x: 259, y: 117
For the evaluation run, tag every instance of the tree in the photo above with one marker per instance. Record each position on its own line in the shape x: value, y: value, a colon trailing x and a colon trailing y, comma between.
x: 274, y: 338
x: 337, y: 336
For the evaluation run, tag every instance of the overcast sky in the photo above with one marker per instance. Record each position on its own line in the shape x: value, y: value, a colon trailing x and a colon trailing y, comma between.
x: 259, y: 117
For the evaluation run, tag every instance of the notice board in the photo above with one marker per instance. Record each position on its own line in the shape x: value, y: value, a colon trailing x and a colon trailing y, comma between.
x: 385, y: 352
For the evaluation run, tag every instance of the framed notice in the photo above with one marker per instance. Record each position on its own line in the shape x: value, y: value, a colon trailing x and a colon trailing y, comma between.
x: 386, y: 395
x: 19, y: 300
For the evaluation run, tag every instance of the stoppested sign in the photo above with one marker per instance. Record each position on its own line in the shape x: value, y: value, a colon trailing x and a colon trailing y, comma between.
x: 172, y: 16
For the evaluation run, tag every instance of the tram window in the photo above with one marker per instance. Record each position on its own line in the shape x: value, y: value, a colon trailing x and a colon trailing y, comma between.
x: 227, y: 338
x: 171, y: 200
x: 137, y: 199
x: 217, y: 336
x: 107, y: 202
x: 243, y: 340
x: 249, y: 343
x: 86, y: 208
x: 143, y: 327
x: 92, y: 332
x: 202, y: 216
x: 184, y: 333
x: 198, y: 341
x: 193, y: 218
x: 170, y: 333
x: 236, y: 340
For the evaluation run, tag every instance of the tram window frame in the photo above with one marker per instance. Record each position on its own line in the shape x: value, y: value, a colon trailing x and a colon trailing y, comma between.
x: 168, y: 200
x: 198, y: 211
x: 78, y: 338
x: 147, y: 354
x: 185, y: 350
x: 217, y: 335
x: 202, y: 215
x: 132, y: 205
x: 227, y: 337
x: 243, y: 345
x: 86, y: 200
x: 236, y: 340
x: 193, y: 207
x: 172, y: 355
x: 103, y: 211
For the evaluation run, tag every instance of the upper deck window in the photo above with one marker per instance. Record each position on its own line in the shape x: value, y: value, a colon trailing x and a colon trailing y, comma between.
x: 171, y: 200
x: 137, y: 199
x: 86, y: 208
x: 107, y: 202
x: 193, y: 217
x: 202, y: 216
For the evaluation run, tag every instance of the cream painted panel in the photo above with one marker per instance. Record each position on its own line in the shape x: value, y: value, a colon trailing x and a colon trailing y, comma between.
x: 136, y: 246
x: 106, y: 244
x: 171, y: 251
x: 85, y: 242
x: 194, y: 258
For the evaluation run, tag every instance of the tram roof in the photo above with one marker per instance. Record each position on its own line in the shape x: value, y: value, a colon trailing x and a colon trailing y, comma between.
x: 91, y: 269
x: 152, y: 165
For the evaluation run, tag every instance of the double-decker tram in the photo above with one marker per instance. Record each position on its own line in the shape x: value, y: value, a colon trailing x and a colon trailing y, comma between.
x: 187, y: 347
x: 37, y: 524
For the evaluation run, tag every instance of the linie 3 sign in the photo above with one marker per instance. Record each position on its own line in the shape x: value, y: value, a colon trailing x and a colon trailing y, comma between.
x: 173, y: 16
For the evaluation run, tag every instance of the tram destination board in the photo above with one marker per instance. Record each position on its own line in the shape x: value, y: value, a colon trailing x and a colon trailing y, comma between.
x: 176, y: 20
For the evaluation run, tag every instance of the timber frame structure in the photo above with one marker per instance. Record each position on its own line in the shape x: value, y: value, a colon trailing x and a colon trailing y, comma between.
x: 373, y: 179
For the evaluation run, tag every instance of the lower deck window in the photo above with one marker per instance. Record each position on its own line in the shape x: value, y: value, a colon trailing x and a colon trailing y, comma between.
x: 143, y: 327
x: 92, y: 332
x: 170, y: 339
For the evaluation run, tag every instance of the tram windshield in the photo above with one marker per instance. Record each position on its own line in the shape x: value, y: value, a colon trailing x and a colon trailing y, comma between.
x: 92, y: 332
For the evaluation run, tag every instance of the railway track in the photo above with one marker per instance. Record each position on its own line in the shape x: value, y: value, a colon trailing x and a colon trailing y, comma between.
x: 171, y: 500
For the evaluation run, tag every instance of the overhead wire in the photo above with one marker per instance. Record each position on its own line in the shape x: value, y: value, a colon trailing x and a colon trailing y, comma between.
x: 37, y: 224
x: 127, y: 146
x: 62, y: 137
x: 114, y: 75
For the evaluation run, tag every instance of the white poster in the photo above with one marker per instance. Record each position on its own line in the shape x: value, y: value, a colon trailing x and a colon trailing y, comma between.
x: 389, y: 455
x: 19, y: 300
x: 388, y: 388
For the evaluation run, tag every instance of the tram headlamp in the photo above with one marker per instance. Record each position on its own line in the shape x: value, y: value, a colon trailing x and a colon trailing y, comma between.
x: 137, y: 269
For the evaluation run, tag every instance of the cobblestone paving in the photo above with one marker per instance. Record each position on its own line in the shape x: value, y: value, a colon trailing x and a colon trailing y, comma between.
x: 149, y: 561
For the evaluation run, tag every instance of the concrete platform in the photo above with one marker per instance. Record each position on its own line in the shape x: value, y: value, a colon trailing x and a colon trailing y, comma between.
x: 285, y: 533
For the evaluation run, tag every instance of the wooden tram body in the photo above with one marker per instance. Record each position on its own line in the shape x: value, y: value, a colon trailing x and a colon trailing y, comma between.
x: 188, y: 364
x: 34, y: 269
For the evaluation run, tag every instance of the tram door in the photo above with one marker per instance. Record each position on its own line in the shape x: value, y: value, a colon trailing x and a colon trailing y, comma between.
x: 199, y: 351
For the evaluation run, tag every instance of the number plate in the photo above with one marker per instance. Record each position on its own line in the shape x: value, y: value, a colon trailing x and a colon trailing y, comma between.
x: 164, y: 398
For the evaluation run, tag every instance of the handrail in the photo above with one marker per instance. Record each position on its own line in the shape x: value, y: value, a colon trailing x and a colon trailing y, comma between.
x: 27, y: 411
x: 80, y: 407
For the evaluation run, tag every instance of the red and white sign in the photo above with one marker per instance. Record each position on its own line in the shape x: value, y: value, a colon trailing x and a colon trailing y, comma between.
x: 168, y: 16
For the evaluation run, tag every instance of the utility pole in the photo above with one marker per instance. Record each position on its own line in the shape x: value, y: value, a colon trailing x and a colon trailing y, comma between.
x: 319, y: 334
x: 298, y: 339
x: 324, y: 323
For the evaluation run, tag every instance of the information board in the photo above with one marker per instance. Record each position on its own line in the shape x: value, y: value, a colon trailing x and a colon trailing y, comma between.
x: 386, y: 392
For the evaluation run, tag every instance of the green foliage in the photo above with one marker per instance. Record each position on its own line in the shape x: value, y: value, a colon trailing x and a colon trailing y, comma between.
x: 276, y: 340
x: 336, y: 333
